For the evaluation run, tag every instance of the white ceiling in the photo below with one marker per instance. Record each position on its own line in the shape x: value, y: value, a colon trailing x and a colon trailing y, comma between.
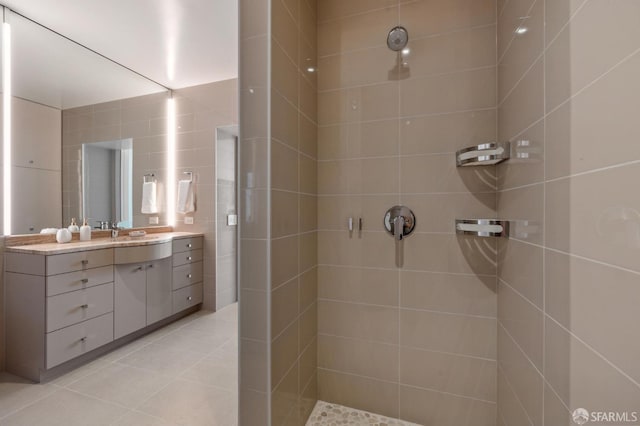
x: 178, y: 43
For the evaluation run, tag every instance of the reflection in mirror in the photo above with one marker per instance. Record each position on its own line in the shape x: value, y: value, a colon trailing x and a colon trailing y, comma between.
x: 65, y: 96
x: 107, y: 177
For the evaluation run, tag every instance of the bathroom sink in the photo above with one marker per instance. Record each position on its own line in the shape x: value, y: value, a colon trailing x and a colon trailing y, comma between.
x: 126, y: 239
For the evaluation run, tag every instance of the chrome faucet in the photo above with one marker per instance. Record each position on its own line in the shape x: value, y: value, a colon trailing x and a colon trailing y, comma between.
x: 115, y: 230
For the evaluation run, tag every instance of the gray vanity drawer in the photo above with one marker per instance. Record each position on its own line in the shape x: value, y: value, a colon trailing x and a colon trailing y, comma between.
x: 69, y: 262
x: 186, y: 275
x: 187, y: 257
x: 78, y: 280
x: 138, y: 254
x: 187, y: 297
x: 187, y: 244
x: 67, y: 309
x: 70, y: 342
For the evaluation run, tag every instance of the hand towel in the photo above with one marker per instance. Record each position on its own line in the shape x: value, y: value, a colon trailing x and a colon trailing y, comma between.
x: 149, y: 198
x: 186, y: 202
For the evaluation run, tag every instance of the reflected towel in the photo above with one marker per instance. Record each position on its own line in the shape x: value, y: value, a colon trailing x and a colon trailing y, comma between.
x: 186, y: 202
x: 149, y: 198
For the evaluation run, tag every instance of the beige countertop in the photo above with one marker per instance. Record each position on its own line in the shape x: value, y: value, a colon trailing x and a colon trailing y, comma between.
x: 100, y: 243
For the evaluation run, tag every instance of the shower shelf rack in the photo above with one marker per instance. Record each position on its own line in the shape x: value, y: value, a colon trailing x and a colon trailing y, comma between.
x: 483, y: 227
x: 485, y: 154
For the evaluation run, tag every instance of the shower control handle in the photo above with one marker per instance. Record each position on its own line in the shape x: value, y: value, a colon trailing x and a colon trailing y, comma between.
x: 399, y: 221
x: 398, y: 227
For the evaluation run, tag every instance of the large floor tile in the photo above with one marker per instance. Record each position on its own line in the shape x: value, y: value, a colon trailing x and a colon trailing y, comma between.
x: 165, y: 360
x: 121, y: 384
x: 193, y: 404
x: 194, y: 340
x: 16, y: 392
x: 66, y: 408
x: 135, y: 418
x: 213, y: 371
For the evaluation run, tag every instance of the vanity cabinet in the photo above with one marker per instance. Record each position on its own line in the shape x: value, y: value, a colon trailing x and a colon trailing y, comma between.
x: 57, y: 308
x: 187, y: 273
x: 142, y: 289
x: 142, y: 295
x: 62, y: 306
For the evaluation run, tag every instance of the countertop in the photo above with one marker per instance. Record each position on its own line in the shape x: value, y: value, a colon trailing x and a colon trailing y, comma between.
x: 100, y: 243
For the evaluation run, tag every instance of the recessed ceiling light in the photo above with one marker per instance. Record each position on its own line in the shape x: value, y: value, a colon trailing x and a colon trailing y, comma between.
x: 311, y: 69
x: 406, y: 51
x: 521, y: 30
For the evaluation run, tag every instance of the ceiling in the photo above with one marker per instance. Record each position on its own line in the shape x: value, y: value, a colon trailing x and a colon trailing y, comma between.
x: 178, y: 43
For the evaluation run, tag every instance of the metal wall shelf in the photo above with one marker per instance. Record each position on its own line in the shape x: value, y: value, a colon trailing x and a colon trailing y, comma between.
x: 482, y: 227
x: 485, y: 154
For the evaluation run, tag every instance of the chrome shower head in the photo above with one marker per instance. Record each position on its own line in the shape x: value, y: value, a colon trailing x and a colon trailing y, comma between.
x: 398, y: 38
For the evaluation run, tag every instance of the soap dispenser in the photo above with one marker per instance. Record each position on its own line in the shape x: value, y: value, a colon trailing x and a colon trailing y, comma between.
x: 74, y: 226
x: 85, y: 231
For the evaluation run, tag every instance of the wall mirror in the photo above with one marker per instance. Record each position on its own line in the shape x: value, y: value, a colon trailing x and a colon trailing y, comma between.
x: 69, y: 105
x: 107, y: 182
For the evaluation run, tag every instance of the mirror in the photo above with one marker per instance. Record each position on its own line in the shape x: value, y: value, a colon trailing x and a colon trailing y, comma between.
x: 107, y: 182
x: 69, y: 105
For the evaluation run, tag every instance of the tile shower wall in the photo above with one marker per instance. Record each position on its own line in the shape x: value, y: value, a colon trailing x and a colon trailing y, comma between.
x: 406, y: 330
x: 254, y: 207
x: 293, y: 211
x: 569, y: 276
x: 199, y: 109
x: 278, y: 238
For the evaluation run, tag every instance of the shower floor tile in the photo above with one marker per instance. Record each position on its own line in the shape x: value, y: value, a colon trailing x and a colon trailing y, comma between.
x: 325, y: 413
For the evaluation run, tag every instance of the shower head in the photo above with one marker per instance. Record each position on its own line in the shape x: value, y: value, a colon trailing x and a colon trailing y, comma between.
x: 398, y: 38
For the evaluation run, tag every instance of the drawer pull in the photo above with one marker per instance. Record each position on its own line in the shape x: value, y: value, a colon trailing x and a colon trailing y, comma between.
x: 188, y: 275
x: 85, y: 262
x: 189, y: 258
x: 139, y: 268
x: 189, y: 245
x: 151, y: 266
x: 85, y: 306
x: 189, y: 298
x: 84, y: 280
x: 83, y: 339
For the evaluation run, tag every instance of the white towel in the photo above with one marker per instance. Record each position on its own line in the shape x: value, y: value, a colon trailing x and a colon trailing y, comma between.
x: 186, y: 202
x: 149, y: 198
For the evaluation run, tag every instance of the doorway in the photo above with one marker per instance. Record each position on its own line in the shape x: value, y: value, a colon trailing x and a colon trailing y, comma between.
x: 226, y: 216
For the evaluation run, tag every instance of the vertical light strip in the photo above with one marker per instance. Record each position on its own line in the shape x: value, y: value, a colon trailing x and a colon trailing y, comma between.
x: 6, y: 117
x: 171, y: 161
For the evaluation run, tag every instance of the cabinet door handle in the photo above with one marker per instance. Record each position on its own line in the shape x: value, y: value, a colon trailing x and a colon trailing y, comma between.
x: 189, y: 258
x: 188, y: 275
x: 83, y: 339
x: 189, y: 245
x: 151, y: 266
x: 189, y: 298
x: 139, y: 268
x: 85, y: 306
x: 84, y: 280
x: 85, y: 262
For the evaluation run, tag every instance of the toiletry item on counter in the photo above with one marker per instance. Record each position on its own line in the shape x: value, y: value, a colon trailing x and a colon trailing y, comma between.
x: 186, y: 202
x: 63, y: 235
x: 50, y: 231
x: 149, y: 198
x: 74, y: 226
x: 85, y: 231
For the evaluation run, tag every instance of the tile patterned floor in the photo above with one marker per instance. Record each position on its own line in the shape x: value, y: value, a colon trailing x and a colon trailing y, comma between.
x: 328, y: 414
x: 183, y: 374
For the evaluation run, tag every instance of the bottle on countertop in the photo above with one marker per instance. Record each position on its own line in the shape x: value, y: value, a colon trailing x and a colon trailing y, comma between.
x: 85, y: 231
x: 74, y: 226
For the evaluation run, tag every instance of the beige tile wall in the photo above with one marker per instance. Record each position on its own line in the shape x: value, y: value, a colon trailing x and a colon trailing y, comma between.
x: 293, y: 219
x: 254, y: 204
x: 199, y: 109
x: 569, y: 278
x: 415, y: 340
